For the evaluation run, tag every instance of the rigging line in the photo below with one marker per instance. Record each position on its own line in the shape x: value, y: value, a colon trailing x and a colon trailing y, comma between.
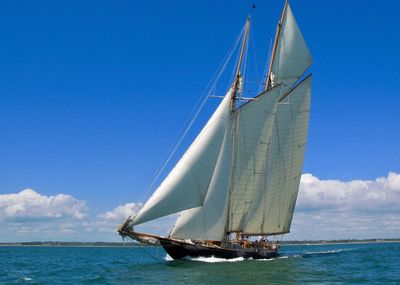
x: 199, y: 105
x: 254, y: 52
x: 234, y: 71
x: 266, y: 71
x: 141, y: 247
x: 232, y: 78
x: 244, y: 73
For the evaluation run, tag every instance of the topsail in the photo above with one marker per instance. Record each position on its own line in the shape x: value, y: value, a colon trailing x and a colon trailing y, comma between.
x: 291, y: 56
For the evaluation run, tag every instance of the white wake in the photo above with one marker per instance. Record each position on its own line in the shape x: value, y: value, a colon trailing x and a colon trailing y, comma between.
x: 209, y: 259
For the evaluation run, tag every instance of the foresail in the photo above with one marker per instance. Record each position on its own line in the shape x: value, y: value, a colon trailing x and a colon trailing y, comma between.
x: 208, y: 222
x: 291, y: 57
x: 186, y: 185
x: 273, y: 209
x: 252, y: 135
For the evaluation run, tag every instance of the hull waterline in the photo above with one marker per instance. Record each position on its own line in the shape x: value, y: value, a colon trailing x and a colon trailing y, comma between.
x: 179, y: 249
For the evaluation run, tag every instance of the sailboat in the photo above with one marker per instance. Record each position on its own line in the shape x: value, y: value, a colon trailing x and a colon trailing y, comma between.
x: 238, y: 181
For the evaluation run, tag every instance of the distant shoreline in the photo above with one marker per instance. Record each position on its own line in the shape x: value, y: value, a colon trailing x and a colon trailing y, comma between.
x: 133, y: 244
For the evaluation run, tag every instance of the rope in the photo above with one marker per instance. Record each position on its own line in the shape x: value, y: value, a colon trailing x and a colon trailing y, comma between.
x: 199, y: 106
x: 145, y: 252
x: 266, y: 69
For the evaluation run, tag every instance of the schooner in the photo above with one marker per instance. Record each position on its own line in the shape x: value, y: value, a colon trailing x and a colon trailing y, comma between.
x: 240, y: 177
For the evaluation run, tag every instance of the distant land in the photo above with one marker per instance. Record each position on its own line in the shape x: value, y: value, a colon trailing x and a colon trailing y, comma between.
x: 119, y: 244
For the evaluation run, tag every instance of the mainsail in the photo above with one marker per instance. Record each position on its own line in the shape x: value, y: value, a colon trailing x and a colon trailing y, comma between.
x: 272, y: 209
x: 242, y: 172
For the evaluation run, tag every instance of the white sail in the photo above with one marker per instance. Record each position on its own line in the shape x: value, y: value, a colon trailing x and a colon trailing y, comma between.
x: 208, y: 221
x: 292, y: 57
x: 254, y: 125
x: 186, y: 185
x: 273, y: 210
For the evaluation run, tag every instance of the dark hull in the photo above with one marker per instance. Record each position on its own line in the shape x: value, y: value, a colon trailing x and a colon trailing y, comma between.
x: 179, y: 249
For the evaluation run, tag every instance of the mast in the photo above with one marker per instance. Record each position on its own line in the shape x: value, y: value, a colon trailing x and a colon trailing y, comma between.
x: 237, y: 75
x: 234, y: 127
x: 278, y: 32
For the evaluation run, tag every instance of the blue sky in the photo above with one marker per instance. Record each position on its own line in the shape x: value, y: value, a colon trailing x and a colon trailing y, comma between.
x: 93, y: 94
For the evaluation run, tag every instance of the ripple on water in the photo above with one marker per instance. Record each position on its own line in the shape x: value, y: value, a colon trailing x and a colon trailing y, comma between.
x: 347, y: 264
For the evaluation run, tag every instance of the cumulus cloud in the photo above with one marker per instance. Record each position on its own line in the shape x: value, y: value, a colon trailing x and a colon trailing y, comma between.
x: 326, y: 209
x: 335, y: 209
x: 379, y: 195
x: 121, y: 212
x: 30, y: 205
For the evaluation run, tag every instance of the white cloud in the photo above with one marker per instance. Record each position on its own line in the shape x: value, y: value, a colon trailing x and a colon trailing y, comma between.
x: 379, y: 195
x: 30, y: 205
x: 121, y: 212
x: 335, y: 209
x: 326, y: 209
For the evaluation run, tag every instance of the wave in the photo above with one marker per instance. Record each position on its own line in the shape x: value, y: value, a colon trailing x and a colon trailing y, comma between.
x: 326, y: 252
x: 280, y: 257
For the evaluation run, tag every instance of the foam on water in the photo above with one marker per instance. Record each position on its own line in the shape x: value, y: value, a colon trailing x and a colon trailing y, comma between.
x: 168, y: 258
x: 275, y: 258
x: 334, y: 251
x: 209, y: 259
x: 238, y: 259
x: 213, y: 259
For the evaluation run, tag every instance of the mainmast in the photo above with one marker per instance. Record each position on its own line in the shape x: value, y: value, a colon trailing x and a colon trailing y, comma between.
x: 237, y: 75
x: 268, y: 84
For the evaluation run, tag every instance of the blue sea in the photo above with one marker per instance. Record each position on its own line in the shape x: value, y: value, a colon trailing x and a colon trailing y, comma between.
x: 371, y: 263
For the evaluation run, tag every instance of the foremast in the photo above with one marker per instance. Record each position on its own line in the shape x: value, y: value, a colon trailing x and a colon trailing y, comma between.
x: 270, y: 77
x: 237, y: 80
x: 235, y: 87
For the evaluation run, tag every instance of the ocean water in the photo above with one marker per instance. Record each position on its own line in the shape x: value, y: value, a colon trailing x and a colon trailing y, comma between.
x: 372, y: 263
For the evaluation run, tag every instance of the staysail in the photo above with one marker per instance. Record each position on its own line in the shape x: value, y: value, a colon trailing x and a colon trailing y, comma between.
x: 208, y: 221
x: 186, y: 185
